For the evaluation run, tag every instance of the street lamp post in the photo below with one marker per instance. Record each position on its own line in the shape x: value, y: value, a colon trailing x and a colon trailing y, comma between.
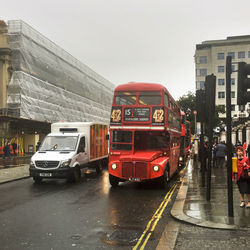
x: 195, y: 125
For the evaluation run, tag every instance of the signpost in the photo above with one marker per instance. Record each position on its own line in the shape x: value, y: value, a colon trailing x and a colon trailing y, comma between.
x: 229, y: 136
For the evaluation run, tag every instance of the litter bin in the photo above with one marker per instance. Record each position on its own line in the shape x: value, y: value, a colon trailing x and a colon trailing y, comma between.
x: 234, y: 165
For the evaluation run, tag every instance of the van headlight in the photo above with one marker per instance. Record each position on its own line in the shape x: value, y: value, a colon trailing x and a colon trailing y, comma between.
x: 114, y: 166
x: 66, y: 163
x: 32, y: 163
x: 156, y: 168
x: 180, y: 158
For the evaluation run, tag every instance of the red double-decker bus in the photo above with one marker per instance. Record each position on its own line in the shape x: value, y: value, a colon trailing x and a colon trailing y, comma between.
x: 185, y: 139
x: 145, y: 131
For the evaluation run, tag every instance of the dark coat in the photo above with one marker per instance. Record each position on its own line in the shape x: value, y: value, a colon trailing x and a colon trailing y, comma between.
x: 221, y: 150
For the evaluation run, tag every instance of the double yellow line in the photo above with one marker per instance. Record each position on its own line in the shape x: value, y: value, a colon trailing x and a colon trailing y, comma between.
x: 154, y: 220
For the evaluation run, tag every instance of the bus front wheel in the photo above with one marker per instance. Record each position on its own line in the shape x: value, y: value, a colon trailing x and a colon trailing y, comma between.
x: 164, y: 180
x: 114, y: 181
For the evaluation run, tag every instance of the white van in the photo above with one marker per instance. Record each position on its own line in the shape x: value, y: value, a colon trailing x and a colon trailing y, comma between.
x: 70, y: 147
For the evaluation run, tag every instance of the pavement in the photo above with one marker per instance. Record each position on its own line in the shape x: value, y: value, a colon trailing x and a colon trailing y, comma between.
x: 192, y: 207
x: 15, y: 168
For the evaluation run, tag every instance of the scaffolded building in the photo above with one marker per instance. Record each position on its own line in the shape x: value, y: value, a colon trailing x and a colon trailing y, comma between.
x: 46, y: 84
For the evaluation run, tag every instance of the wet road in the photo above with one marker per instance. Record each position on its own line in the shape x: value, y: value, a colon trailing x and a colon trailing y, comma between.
x: 85, y: 215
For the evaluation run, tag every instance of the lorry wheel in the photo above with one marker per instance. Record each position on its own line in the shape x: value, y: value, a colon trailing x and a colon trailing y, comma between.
x: 37, y: 180
x: 76, y: 175
x: 114, y: 181
x: 164, y: 180
x: 99, y: 167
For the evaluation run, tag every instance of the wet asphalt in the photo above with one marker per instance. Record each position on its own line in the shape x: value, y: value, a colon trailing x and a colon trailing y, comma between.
x: 84, y: 215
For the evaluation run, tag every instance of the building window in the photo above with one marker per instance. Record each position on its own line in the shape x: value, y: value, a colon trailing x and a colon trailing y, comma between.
x: 233, y: 81
x: 203, y: 59
x: 221, y: 82
x: 233, y: 67
x: 202, y: 84
x: 248, y: 54
x: 203, y: 72
x: 220, y: 56
x: 241, y: 54
x: 231, y: 54
x: 220, y: 68
x: 232, y: 94
x: 222, y: 108
x: 233, y: 107
x: 221, y: 95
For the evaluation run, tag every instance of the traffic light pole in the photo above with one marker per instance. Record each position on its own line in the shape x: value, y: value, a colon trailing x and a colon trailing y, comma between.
x: 229, y: 136
x: 210, y: 84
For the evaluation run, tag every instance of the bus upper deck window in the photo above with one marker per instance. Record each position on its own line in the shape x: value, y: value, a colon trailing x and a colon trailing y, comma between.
x: 150, y: 98
x: 125, y: 98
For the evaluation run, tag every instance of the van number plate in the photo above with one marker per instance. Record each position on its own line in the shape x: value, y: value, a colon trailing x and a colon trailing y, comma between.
x: 45, y: 174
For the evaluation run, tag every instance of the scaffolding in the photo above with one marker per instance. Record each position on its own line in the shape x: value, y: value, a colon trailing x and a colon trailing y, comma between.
x: 50, y: 85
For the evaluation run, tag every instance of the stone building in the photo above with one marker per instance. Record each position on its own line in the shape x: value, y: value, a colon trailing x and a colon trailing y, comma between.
x: 210, y: 58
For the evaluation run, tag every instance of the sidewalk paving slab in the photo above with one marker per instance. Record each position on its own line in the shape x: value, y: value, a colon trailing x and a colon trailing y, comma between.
x: 192, y: 207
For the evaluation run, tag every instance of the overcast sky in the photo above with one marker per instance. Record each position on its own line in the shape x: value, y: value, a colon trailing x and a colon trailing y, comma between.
x: 135, y: 40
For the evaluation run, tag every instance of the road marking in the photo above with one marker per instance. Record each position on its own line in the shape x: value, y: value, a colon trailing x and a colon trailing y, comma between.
x: 154, y: 220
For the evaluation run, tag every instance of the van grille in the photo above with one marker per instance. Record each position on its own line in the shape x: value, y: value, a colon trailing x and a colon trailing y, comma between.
x: 134, y: 169
x: 47, y: 164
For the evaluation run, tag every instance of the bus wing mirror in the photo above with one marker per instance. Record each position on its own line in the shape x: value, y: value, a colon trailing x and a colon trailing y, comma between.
x: 107, y: 137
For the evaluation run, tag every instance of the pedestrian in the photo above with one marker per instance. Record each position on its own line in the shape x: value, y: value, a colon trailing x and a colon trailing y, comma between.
x: 38, y: 145
x: 237, y: 144
x: 214, y: 153
x: 221, y: 151
x: 245, y: 147
x: 6, y: 149
x: 248, y: 151
x: 203, y: 155
x: 243, y: 181
x: 14, y: 147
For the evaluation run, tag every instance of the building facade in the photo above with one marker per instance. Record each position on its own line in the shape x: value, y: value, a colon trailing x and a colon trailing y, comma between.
x: 210, y: 58
x: 40, y: 83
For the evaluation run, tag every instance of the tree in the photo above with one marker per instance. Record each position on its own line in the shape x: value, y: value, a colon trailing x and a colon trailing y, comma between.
x: 187, y: 103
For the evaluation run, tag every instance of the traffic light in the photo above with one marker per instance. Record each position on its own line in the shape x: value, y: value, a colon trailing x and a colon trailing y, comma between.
x: 243, y: 96
x: 210, y: 84
x: 200, y: 104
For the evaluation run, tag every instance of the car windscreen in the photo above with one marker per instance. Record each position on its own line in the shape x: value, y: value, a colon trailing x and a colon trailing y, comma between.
x: 59, y: 143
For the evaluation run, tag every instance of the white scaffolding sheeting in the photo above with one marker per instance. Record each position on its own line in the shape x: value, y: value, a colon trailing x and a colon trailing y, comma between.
x: 49, y: 85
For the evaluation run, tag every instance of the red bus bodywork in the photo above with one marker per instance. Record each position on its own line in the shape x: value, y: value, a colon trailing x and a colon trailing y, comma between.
x: 145, y: 132
x: 185, y: 139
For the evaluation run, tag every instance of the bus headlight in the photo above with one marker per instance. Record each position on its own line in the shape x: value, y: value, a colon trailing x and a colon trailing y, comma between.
x: 156, y: 168
x: 114, y: 166
x: 180, y: 158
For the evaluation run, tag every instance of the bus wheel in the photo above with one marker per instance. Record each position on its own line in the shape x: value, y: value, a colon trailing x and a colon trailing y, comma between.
x: 114, y: 181
x: 164, y: 180
x: 37, y: 180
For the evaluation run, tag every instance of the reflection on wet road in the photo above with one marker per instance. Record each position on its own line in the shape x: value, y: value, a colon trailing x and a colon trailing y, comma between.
x: 85, y: 215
